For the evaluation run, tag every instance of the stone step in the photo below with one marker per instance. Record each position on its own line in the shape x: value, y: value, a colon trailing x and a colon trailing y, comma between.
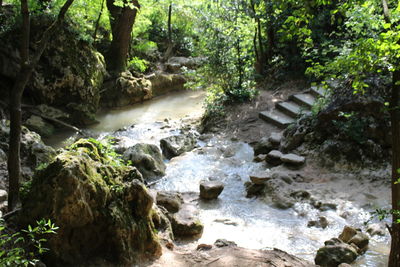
x: 290, y: 108
x: 317, y: 91
x: 304, y: 99
x: 277, y: 118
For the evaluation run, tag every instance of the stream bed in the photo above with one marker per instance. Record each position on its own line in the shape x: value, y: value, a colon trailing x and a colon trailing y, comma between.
x: 249, y: 222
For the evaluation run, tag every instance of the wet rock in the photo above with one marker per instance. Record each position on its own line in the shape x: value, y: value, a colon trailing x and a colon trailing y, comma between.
x: 52, y: 112
x: 172, y: 201
x: 226, y: 222
x: 162, y: 83
x: 147, y: 159
x: 260, y: 178
x: 125, y: 90
x: 324, y: 206
x: 260, y: 158
x: 177, y: 144
x: 3, y: 195
x: 361, y: 240
x: 322, y: 222
x: 224, y: 243
x: 263, y: 146
x: 347, y: 233
x: 99, y: 207
x: 284, y: 176
x: 282, y: 202
x: 37, y: 124
x: 186, y: 222
x: 211, y: 189
x: 334, y: 253
x: 300, y: 195
x: 293, y: 159
x: 253, y: 190
x: 275, y: 139
x: 376, y: 229
x: 204, y: 247
x: 274, y: 157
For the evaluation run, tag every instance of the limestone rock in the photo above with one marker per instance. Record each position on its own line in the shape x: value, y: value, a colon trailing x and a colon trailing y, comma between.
x: 282, y: 202
x: 376, y: 229
x: 175, y: 145
x: 186, y: 222
x: 99, y: 207
x: 361, y: 240
x: 37, y: 124
x: 224, y: 243
x: 263, y: 146
x: 274, y: 157
x: 322, y: 222
x: 334, y: 253
x: 211, y: 189
x: 347, y: 233
x: 147, y: 159
x: 172, y: 201
x: 260, y: 178
x: 260, y: 158
x: 293, y: 159
x: 275, y: 139
x: 3, y: 156
x: 162, y: 83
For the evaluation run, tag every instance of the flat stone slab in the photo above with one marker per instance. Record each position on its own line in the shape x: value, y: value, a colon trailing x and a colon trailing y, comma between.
x: 293, y: 159
x: 211, y: 189
x: 305, y: 99
x: 290, y: 108
x: 277, y: 118
x: 318, y: 91
x: 274, y: 154
x: 260, y: 178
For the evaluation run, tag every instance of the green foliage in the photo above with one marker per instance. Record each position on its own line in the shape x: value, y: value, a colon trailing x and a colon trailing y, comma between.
x: 24, y: 247
x: 137, y: 64
x: 352, y: 126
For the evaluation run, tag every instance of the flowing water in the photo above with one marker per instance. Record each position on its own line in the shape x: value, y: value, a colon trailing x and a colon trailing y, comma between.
x: 249, y: 222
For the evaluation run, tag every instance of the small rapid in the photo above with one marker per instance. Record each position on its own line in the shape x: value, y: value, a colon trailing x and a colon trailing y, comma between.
x: 249, y: 222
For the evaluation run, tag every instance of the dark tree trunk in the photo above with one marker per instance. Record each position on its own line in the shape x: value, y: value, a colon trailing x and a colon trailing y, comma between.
x: 27, y: 66
x: 96, y: 26
x: 170, y: 47
x: 394, y: 258
x: 121, y: 20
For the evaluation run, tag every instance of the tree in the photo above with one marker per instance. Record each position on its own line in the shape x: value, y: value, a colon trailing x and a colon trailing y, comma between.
x: 27, y: 65
x: 122, y: 18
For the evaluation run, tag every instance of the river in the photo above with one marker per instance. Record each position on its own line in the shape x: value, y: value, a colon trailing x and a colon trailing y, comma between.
x: 250, y: 222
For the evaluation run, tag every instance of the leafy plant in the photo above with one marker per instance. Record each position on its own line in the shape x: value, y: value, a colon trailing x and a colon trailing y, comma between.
x: 23, y: 248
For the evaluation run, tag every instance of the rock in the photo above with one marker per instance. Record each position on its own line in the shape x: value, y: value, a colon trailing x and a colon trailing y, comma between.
x: 347, y: 233
x: 100, y: 208
x: 344, y: 265
x: 263, y: 146
x: 322, y: 222
x: 327, y: 206
x: 3, y: 195
x: 254, y: 189
x: 52, y: 112
x: 260, y: 178
x: 274, y: 157
x: 260, y: 158
x: 37, y: 124
x: 147, y: 159
x: 293, y: 159
x: 376, y: 229
x: 173, y: 68
x: 176, y: 145
x: 284, y: 176
x: 334, y: 253
x: 282, y: 202
x: 204, y: 247
x: 224, y: 243
x: 3, y: 156
x: 300, y: 195
x: 163, y: 83
x: 211, y: 189
x: 186, y: 222
x: 169, y: 200
x: 275, y: 139
x: 361, y: 240
x: 126, y: 90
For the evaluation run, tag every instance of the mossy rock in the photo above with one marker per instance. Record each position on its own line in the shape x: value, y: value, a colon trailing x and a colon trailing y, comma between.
x: 101, y: 209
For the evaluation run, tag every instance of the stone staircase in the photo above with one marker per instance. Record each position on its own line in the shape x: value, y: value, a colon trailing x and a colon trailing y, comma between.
x: 286, y: 112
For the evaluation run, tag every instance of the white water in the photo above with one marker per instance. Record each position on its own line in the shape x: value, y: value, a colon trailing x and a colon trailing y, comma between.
x: 251, y: 223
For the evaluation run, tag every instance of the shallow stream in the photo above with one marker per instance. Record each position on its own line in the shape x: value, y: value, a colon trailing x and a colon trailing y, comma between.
x: 249, y: 222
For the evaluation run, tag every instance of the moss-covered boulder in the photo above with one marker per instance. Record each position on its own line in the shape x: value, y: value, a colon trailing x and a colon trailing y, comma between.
x: 101, y: 207
x: 69, y: 73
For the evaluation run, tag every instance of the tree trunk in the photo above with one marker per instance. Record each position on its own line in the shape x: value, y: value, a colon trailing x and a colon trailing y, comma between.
x: 26, y: 69
x: 394, y: 258
x: 170, y: 47
x: 96, y: 26
x: 121, y: 20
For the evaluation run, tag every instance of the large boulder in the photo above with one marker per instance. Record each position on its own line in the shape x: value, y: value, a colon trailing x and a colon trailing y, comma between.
x: 186, y: 222
x: 171, y: 201
x: 147, y: 158
x: 37, y: 124
x: 100, y: 206
x: 163, y: 83
x: 126, y: 90
x: 175, y: 145
x: 211, y: 189
x: 335, y: 252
